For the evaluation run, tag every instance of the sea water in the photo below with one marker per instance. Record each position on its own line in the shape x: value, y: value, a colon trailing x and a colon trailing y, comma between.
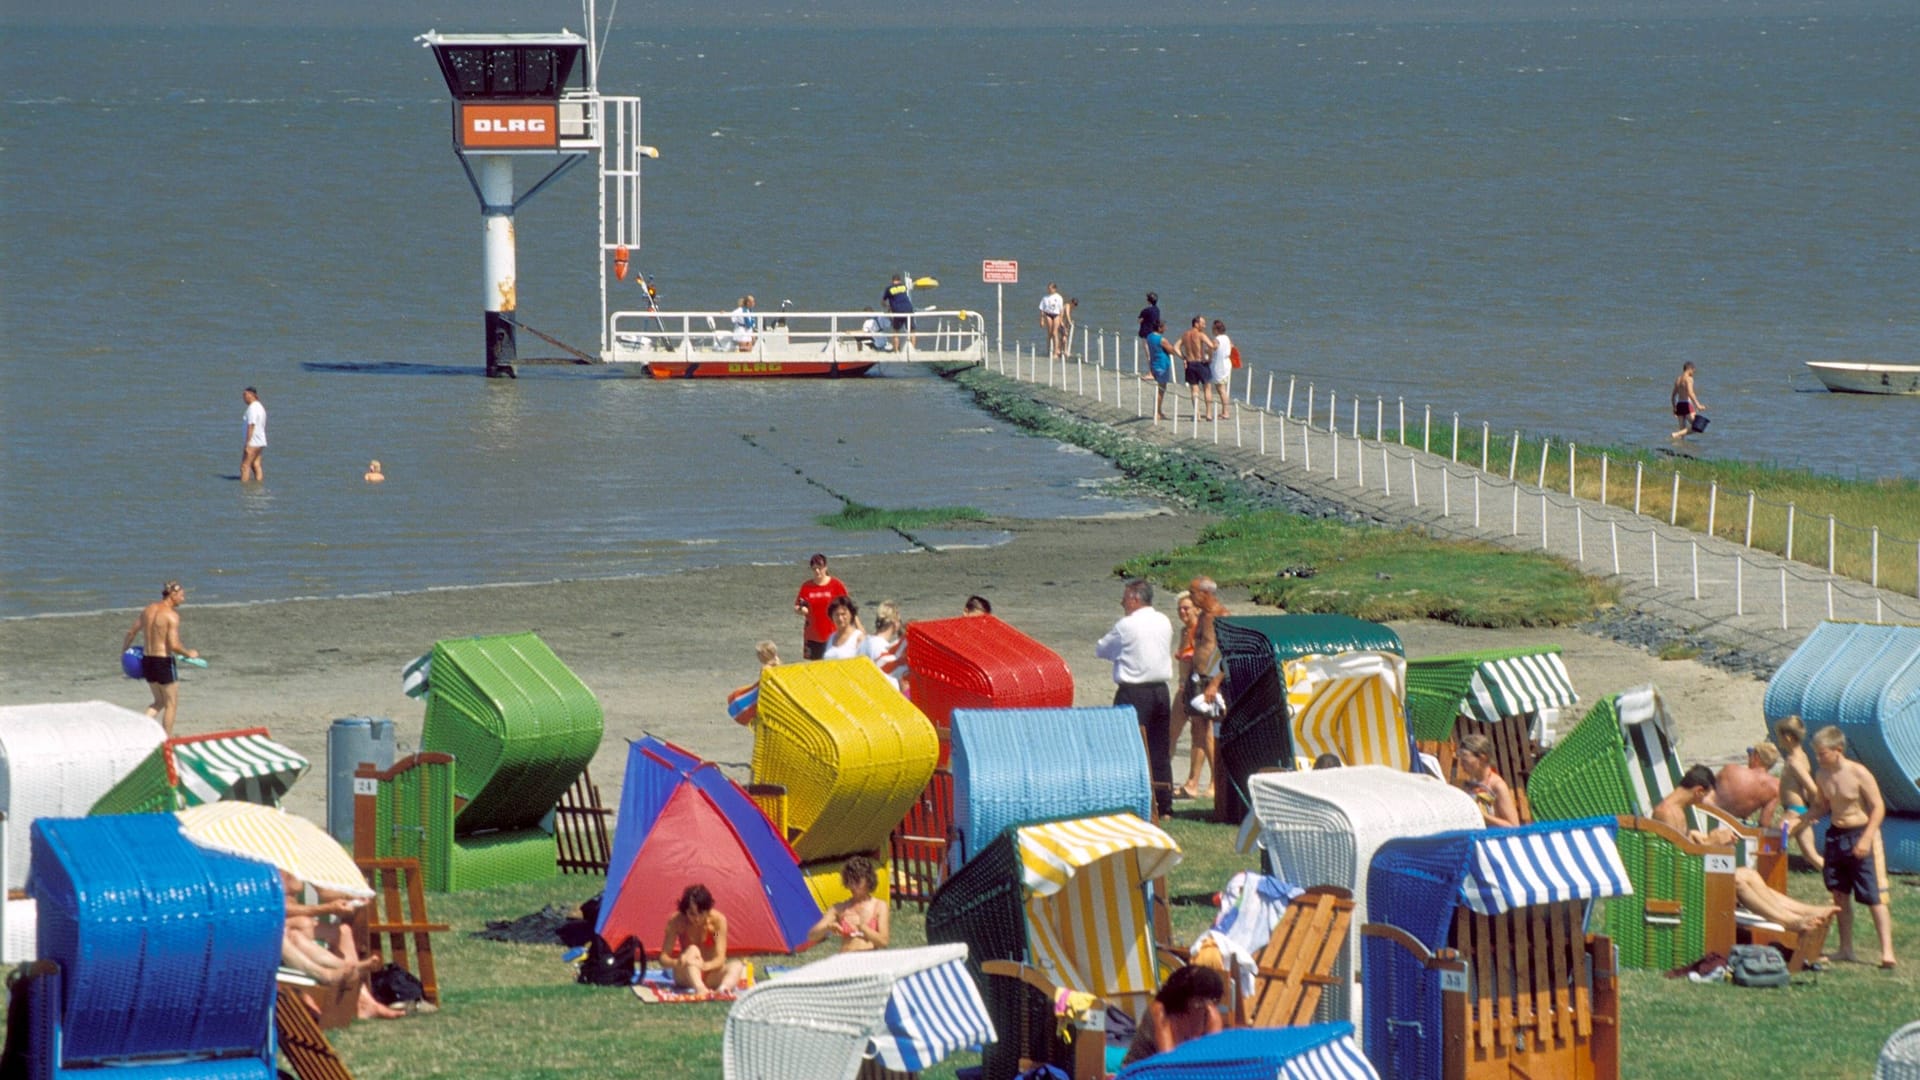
x: 1532, y: 223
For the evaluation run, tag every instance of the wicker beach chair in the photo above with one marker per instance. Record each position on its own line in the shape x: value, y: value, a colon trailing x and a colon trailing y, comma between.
x: 1351, y: 705
x: 1900, y: 1057
x: 1254, y: 731
x: 1064, y: 905
x: 1319, y: 1052
x: 192, y: 770
x: 904, y: 1009
x: 1620, y: 762
x: 1504, y: 694
x: 508, y: 730
x: 851, y: 752
x: 979, y: 662
x: 55, y: 761
x: 1021, y: 766
x: 1322, y: 828
x: 1477, y: 963
x: 159, y: 956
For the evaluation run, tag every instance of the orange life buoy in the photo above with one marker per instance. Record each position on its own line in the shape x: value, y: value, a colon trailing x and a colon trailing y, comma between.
x: 620, y: 262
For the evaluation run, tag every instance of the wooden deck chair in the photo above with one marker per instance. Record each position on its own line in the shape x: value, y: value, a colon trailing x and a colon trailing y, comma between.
x: 1297, y: 964
x: 302, y: 1044
x: 1480, y: 966
x: 397, y: 919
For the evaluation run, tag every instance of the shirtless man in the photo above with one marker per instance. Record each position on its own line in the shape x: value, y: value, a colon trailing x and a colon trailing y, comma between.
x: 1796, y: 787
x: 159, y: 628
x: 1750, y: 888
x: 1196, y: 349
x: 1748, y: 792
x: 1685, y: 401
x: 1849, y: 796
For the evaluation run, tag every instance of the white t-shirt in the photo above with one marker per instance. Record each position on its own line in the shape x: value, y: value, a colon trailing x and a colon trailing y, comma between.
x: 1222, y: 357
x: 847, y: 650
x: 256, y: 422
x: 742, y: 324
x: 1051, y: 304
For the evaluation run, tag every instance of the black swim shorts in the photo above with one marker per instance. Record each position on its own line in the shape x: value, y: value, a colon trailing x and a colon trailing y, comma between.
x: 157, y: 669
x: 1847, y: 872
x: 899, y: 322
x: 1682, y: 409
x: 1199, y: 374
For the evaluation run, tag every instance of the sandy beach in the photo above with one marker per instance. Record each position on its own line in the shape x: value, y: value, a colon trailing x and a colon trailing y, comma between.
x: 663, y: 652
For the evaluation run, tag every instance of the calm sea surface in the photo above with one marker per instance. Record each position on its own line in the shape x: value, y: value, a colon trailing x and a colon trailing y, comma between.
x: 1530, y: 223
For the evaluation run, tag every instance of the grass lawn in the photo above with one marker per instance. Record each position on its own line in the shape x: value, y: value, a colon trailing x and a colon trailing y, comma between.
x: 1379, y: 574
x: 859, y: 517
x: 513, y: 1010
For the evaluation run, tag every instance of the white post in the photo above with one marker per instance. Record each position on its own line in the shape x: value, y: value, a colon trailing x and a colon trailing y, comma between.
x: 1283, y: 439
x: 1829, y: 599
x: 1603, y: 479
x: 1309, y: 404
x: 1783, y: 598
x: 1876, y: 558
x: 1789, y: 530
x: 1456, y: 438
x: 1580, y: 535
x: 1638, y: 468
x: 1513, y: 460
x: 1080, y: 373
x: 1426, y: 432
x: 1291, y: 379
x: 1103, y: 352
x: 1261, y: 421
x: 1739, y: 586
x: 1516, y: 510
x: 1695, y: 545
x: 1446, y: 492
x: 1413, y: 477
x: 1543, y: 521
x: 1749, y: 517
x: 1176, y: 415
x: 1830, y: 525
x: 1356, y: 419
x: 1099, y: 393
x: 1333, y: 445
x: 1486, y: 434
x: 1236, y: 427
x: 1673, y: 501
x: 1359, y: 464
x: 499, y: 266
x: 1713, y: 505
x: 1379, y: 418
x: 1476, y: 500
x: 1269, y: 406
x: 1140, y: 392
x: 1613, y: 545
x: 1249, y: 389
x: 1544, y: 446
x: 1403, y: 421
x: 1653, y: 545
x: 1572, y: 470
x: 1333, y: 426
x: 1306, y: 447
x: 1386, y: 472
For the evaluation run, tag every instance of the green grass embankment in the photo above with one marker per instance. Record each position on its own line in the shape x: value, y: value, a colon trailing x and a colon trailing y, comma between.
x: 858, y: 517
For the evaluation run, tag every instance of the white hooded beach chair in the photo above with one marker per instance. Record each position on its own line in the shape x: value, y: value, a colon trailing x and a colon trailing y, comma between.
x: 56, y: 760
x: 1322, y: 828
x: 905, y: 1009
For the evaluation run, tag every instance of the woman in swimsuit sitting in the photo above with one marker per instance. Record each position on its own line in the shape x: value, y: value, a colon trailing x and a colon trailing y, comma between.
x: 861, y: 921
x: 1474, y: 758
x: 695, y: 947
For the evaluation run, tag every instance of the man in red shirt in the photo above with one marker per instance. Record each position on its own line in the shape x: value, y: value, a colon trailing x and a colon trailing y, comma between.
x: 816, y: 593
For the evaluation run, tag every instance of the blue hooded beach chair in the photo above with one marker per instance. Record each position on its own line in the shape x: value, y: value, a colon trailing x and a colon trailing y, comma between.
x: 1479, y: 961
x: 157, y: 956
x: 1316, y: 1052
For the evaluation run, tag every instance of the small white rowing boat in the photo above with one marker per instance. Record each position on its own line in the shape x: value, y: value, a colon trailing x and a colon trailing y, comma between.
x: 1850, y: 377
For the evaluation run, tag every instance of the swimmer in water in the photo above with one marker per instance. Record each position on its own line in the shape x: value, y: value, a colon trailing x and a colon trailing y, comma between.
x: 374, y: 476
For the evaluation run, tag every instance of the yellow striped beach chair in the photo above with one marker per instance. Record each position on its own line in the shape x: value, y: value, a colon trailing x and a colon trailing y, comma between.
x: 1353, y: 705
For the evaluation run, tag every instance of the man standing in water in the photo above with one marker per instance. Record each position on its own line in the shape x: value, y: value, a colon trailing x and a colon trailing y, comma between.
x: 256, y: 442
x: 159, y: 627
x: 1685, y: 401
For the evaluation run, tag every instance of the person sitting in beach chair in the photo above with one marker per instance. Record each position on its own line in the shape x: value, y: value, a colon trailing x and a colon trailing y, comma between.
x: 862, y: 921
x: 1754, y: 894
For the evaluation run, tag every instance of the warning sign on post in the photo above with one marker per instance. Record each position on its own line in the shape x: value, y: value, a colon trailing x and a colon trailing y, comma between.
x: 1000, y: 271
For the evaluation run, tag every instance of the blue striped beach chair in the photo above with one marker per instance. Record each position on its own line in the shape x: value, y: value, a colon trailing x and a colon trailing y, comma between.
x: 1479, y: 961
x: 1316, y: 1052
x: 905, y: 1009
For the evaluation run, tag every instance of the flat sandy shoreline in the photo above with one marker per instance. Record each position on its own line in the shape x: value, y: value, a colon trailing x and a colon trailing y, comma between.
x: 662, y: 653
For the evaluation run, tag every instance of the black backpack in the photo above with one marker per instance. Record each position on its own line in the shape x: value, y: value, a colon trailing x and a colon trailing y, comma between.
x: 1758, y: 965
x: 395, y: 985
x: 605, y: 965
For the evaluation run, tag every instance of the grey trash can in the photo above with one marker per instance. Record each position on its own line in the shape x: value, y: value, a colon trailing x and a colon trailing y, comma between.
x: 350, y: 741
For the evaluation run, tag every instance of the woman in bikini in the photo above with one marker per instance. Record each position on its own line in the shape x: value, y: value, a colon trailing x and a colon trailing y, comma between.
x: 695, y: 945
x: 1473, y: 756
x: 861, y: 921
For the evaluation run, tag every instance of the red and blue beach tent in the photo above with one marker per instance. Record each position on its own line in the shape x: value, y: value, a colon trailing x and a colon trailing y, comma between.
x: 683, y: 822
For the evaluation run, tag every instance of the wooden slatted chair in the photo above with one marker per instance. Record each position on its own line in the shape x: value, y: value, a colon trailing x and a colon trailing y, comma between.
x: 1297, y: 965
x: 302, y: 1044
x: 397, y: 919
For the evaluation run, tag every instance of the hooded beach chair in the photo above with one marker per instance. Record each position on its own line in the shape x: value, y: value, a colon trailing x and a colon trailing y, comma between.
x: 55, y: 761
x: 1478, y: 963
x: 1059, y: 906
x: 1620, y: 761
x: 851, y: 754
x: 1254, y: 731
x: 193, y: 770
x: 1021, y: 766
x: 979, y: 662
x: 157, y: 956
x: 1319, y: 1052
x: 1323, y: 827
x: 1351, y: 705
x: 508, y: 729
x: 903, y: 1009
x: 1505, y: 694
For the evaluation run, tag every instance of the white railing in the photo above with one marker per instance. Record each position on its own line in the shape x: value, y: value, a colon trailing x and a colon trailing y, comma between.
x: 798, y: 337
x: 1432, y: 485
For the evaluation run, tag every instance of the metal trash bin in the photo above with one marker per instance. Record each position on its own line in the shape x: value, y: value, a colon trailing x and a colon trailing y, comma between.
x: 351, y: 741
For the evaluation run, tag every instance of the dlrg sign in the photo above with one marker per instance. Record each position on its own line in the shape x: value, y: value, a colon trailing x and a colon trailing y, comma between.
x: 508, y: 127
x: 1000, y: 271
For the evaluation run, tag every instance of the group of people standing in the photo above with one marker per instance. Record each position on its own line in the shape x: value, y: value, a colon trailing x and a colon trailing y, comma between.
x: 1208, y: 361
x: 1143, y: 650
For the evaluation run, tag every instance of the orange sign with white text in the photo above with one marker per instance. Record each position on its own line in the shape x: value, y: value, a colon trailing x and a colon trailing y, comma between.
x: 509, y: 127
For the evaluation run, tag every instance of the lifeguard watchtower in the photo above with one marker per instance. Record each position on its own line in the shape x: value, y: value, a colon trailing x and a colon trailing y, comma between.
x: 532, y: 96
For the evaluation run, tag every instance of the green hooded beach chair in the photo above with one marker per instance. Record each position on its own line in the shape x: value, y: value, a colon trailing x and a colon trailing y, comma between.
x: 1498, y: 693
x: 193, y: 770
x: 508, y: 730
x: 1621, y: 761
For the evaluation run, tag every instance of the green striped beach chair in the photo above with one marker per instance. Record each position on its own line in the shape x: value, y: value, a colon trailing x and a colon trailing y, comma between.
x: 1621, y: 761
x: 508, y: 730
x: 193, y: 770
x: 1498, y: 693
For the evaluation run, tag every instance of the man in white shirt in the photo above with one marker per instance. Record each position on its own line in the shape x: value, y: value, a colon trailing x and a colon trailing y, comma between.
x: 1140, y: 645
x: 256, y: 440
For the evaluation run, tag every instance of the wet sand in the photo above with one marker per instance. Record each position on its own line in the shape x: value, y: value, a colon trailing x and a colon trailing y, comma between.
x: 663, y: 652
